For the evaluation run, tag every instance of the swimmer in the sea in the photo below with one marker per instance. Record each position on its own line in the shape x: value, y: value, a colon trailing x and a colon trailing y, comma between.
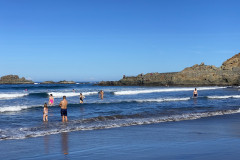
x: 51, y: 100
x: 101, y: 93
x: 81, y: 98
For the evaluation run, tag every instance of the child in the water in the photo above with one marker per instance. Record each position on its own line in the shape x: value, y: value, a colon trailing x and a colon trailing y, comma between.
x: 45, y: 112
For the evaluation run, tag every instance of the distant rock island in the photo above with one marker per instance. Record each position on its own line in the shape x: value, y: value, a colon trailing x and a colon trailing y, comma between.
x: 14, y: 79
x: 198, y: 75
x: 60, y: 82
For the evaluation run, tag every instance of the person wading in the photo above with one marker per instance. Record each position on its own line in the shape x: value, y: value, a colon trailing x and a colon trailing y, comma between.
x: 63, y: 104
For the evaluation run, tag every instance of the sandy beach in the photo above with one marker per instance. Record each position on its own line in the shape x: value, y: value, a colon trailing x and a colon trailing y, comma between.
x: 215, y: 137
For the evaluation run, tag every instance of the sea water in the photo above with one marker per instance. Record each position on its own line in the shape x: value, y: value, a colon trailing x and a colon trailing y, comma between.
x: 21, y: 107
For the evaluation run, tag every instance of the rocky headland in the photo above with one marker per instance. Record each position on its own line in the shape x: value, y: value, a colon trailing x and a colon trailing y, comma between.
x: 198, y: 75
x: 14, y: 79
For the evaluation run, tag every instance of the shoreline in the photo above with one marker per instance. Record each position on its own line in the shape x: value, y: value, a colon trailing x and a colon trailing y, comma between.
x: 215, y: 137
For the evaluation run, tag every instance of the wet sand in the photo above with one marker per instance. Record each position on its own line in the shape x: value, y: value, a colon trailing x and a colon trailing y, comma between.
x: 207, y: 138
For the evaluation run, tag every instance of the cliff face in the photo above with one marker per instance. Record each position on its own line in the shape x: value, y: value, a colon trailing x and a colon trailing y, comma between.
x: 197, y: 75
x: 232, y: 64
x: 14, y: 79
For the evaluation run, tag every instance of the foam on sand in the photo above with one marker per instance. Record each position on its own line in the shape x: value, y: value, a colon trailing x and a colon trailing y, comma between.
x: 102, y: 122
x: 130, y: 92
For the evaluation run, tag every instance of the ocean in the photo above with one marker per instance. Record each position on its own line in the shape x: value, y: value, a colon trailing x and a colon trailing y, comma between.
x: 21, y: 107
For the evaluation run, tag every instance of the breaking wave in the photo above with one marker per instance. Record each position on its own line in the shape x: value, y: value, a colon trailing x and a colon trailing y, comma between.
x: 15, y: 108
x: 223, y: 97
x: 163, y: 99
x: 24, y: 107
x: 70, y: 94
x: 102, y: 122
x: 163, y: 90
x: 140, y: 100
x: 12, y: 95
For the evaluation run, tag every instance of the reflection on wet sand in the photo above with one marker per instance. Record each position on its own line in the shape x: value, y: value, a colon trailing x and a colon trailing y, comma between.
x: 46, y: 143
x: 64, y: 143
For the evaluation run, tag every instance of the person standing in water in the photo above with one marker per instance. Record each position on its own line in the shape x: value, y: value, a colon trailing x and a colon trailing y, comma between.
x: 63, y: 104
x: 45, y: 112
x: 51, y: 100
x: 101, y: 93
x: 81, y: 98
x: 195, y: 93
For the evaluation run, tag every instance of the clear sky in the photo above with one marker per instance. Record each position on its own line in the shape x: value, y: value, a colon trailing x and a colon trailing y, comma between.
x: 91, y: 40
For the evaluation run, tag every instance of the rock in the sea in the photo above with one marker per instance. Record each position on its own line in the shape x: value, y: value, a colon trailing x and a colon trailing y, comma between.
x: 60, y: 82
x: 48, y: 82
x: 14, y: 79
x: 197, y: 75
x: 66, y: 82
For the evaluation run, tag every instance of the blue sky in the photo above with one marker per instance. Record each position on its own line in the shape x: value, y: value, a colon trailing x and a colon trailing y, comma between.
x: 92, y: 40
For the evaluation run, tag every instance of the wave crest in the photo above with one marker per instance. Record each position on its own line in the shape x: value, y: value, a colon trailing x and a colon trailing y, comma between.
x: 70, y: 94
x: 223, y: 97
x: 130, y: 92
x: 12, y: 95
x: 15, y: 108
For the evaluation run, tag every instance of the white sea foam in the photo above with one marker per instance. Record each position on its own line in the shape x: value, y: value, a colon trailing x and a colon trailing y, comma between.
x: 140, y: 100
x: 163, y: 90
x: 15, y: 108
x: 224, y: 97
x: 12, y: 95
x: 70, y: 94
x: 163, y: 100
x: 111, y: 122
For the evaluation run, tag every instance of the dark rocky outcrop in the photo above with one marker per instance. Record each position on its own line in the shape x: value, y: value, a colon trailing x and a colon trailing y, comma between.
x: 48, y: 82
x: 14, y: 79
x: 60, y: 82
x: 197, y: 75
x: 66, y: 82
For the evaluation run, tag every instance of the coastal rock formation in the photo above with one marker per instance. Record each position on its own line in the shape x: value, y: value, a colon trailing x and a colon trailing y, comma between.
x: 60, y: 82
x: 14, y: 79
x: 66, y: 82
x: 48, y: 82
x: 232, y: 64
x: 197, y: 75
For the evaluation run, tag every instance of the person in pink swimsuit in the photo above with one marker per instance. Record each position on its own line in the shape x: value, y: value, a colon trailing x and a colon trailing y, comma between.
x: 51, y: 100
